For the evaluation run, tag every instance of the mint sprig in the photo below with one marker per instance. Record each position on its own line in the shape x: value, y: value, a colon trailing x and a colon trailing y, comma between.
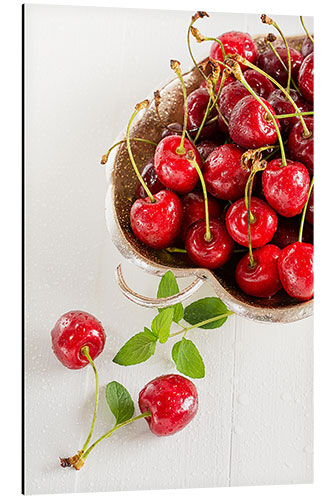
x: 119, y: 401
x: 207, y: 313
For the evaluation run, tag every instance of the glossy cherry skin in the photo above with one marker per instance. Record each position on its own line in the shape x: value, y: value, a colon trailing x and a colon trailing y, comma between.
x: 206, y: 147
x: 259, y: 83
x: 73, y: 331
x: 209, y: 254
x: 307, y: 46
x: 300, y: 147
x: 224, y: 176
x: 310, y: 210
x: 282, y: 106
x: 157, y: 224
x: 197, y: 102
x: 262, y: 230
x: 173, y: 169
x: 194, y: 209
x: 172, y: 401
x: 306, y: 76
x: 236, y: 42
x: 149, y: 175
x: 288, y: 230
x: 286, y: 188
x: 177, y: 129
x: 249, y: 125
x: 296, y: 270
x: 271, y: 65
x: 263, y: 279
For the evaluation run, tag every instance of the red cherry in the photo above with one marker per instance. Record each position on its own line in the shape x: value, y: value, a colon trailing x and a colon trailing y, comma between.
x: 288, y: 230
x: 307, y: 46
x: 282, y: 106
x: 194, y: 209
x: 172, y: 401
x: 262, y: 229
x: 306, y: 76
x: 236, y: 42
x: 260, y: 83
x: 286, y: 188
x: 261, y: 280
x: 249, y: 125
x: 223, y: 172
x: 149, y: 175
x: 197, y: 102
x: 157, y: 224
x: 309, y: 214
x: 176, y: 129
x: 206, y: 147
x: 73, y: 331
x: 271, y: 65
x: 230, y: 96
x: 301, y: 147
x: 173, y: 169
x: 296, y: 270
x: 209, y: 254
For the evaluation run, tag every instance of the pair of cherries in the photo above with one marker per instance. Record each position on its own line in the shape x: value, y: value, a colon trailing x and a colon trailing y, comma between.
x: 168, y: 403
x: 248, y: 104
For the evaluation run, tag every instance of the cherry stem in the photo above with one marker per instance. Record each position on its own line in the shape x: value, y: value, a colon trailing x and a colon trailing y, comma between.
x: 202, y: 323
x: 267, y: 20
x: 82, y: 459
x: 176, y: 250
x: 138, y: 108
x: 306, y: 31
x: 175, y: 66
x: 284, y: 66
x: 190, y: 50
x: 203, y: 121
x: 138, y: 139
x: 214, y: 99
x: 291, y: 115
x: 247, y: 63
x: 191, y: 159
x: 223, y: 79
x: 85, y: 352
x: 239, y: 75
x: 300, y: 235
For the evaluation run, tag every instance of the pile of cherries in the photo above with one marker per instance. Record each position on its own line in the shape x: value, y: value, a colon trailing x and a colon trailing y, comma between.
x: 237, y: 175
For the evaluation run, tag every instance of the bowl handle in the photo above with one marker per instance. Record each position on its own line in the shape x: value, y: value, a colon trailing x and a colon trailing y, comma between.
x: 142, y: 300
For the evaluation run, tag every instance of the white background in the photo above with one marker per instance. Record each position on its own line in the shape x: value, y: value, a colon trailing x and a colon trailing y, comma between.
x: 10, y: 203
x: 85, y: 70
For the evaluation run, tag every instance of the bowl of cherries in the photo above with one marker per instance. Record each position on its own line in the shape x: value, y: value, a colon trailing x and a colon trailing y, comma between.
x: 213, y: 177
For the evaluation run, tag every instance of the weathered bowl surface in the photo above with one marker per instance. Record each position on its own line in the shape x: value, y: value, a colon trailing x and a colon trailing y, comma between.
x: 121, y: 195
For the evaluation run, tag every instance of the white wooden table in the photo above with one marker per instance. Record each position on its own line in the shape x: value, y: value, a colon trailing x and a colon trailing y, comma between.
x: 85, y: 70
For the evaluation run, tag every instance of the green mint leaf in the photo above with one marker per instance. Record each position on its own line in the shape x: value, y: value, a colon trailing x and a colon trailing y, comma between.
x: 162, y: 323
x: 204, y: 309
x: 168, y: 286
x: 119, y: 401
x: 188, y: 359
x: 137, y: 349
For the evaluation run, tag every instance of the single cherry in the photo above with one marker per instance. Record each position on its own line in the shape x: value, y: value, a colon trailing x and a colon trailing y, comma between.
x: 300, y: 147
x: 250, y: 125
x: 306, y: 76
x: 262, y: 86
x: 72, y: 332
x: 157, y: 223
x: 271, y: 64
x: 197, y: 102
x: 286, y: 187
x: 172, y: 401
x: 150, y: 178
x: 261, y: 279
x: 206, y: 147
x: 209, y: 253
x: 295, y: 266
x: 224, y: 175
x: 282, y: 106
x: 235, y: 42
x: 194, y: 209
x: 263, y: 225
x: 288, y: 231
